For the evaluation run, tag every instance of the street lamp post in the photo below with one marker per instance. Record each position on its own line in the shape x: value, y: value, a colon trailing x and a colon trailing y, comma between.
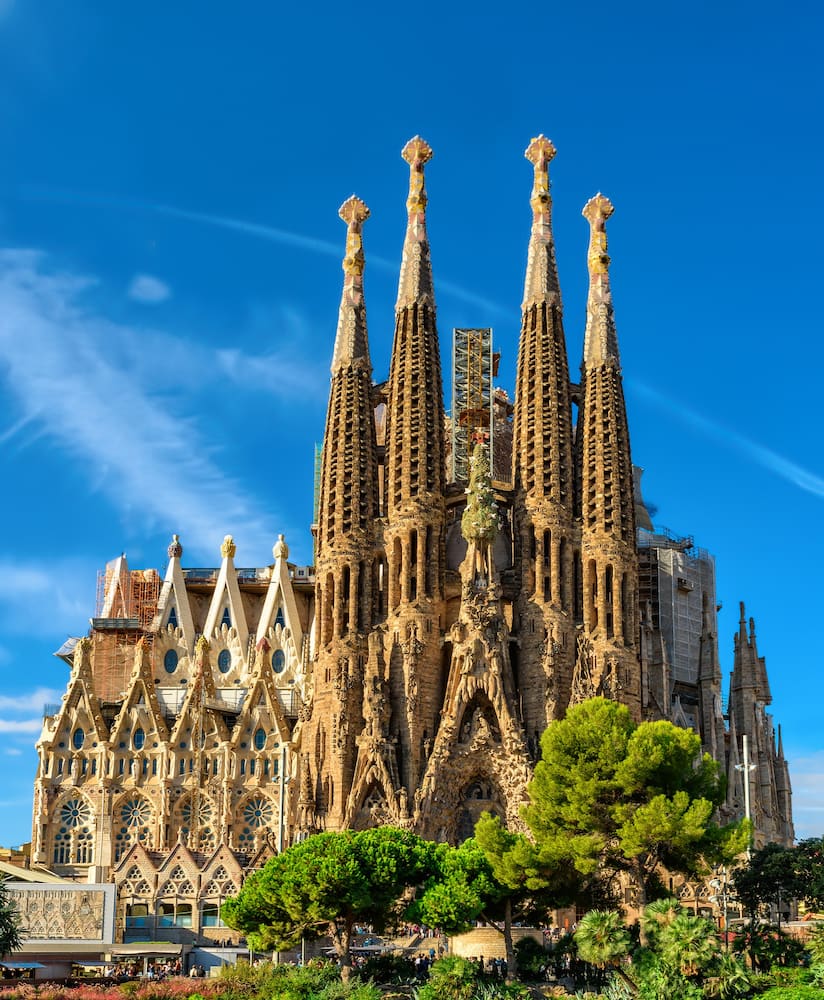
x: 746, y: 768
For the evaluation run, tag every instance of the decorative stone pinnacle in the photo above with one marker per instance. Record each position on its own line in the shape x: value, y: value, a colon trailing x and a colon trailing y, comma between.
x: 539, y: 153
x: 596, y: 211
x: 417, y: 153
x: 354, y: 213
x: 280, y: 550
x: 175, y: 550
x: 228, y: 548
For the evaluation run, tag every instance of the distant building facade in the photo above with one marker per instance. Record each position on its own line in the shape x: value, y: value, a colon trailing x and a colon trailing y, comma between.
x: 213, y: 716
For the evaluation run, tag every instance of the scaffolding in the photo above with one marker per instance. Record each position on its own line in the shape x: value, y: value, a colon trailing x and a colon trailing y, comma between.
x: 473, y: 367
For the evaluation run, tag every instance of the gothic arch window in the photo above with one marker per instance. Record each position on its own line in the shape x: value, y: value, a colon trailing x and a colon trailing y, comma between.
x: 73, y: 839
x: 279, y: 619
x: 132, y: 824
x: 172, y: 619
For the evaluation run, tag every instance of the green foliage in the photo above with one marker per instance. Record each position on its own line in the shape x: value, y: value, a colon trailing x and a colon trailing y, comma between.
x: 657, y: 980
x: 620, y: 796
x: 532, y: 958
x: 792, y: 993
x: 730, y: 978
x: 460, y: 887
x: 688, y: 944
x: 601, y: 938
x: 388, y: 968
x: 451, y: 978
x: 327, y: 883
x: 9, y: 923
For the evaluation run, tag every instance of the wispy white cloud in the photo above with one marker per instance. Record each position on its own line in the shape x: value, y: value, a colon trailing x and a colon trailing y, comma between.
x: 13, y: 752
x: 89, y: 401
x: 21, y: 725
x: 31, y: 701
x: 780, y: 466
x: 68, y: 587
x: 149, y: 290
x: 284, y: 236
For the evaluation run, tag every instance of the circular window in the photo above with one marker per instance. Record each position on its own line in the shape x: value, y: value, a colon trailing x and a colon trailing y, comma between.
x: 278, y: 661
x: 224, y: 661
x: 139, y: 738
x: 260, y: 739
x: 258, y: 812
x: 75, y: 812
x: 170, y: 661
x: 78, y: 738
x: 135, y: 812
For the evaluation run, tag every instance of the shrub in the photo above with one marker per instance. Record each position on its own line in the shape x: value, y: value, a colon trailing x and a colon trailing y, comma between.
x: 387, y: 968
x: 531, y: 958
x: 451, y: 978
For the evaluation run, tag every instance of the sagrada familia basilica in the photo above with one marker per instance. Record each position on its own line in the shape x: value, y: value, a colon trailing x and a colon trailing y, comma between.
x: 475, y: 574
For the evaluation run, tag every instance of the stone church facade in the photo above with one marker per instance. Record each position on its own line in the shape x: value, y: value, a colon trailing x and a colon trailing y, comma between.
x: 213, y: 716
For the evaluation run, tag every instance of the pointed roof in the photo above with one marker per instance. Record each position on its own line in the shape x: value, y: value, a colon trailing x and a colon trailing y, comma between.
x: 280, y: 593
x: 600, y: 338
x: 415, y: 283
x: 227, y: 593
x: 541, y: 283
x: 141, y: 686
x: 173, y: 595
x: 351, y: 341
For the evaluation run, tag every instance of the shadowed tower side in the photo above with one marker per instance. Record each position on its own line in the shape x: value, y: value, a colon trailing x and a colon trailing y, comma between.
x: 545, y: 530
x: 414, y: 491
x: 345, y: 595
x: 607, y: 660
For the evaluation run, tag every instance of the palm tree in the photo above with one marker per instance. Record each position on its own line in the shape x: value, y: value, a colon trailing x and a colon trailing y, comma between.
x: 689, y: 944
x: 603, y: 940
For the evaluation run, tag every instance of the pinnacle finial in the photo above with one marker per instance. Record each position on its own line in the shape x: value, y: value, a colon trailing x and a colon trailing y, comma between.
x: 228, y: 548
x: 354, y: 213
x: 175, y: 550
x: 417, y: 153
x: 280, y: 550
x: 539, y: 153
x: 596, y: 211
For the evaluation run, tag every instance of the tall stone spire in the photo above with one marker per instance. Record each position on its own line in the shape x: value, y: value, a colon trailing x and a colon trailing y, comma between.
x: 415, y: 285
x: 349, y: 508
x: 610, y: 563
x: 349, y: 495
x: 542, y: 457
x: 414, y: 491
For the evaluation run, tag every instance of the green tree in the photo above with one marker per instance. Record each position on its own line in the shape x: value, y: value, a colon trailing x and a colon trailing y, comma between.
x: 328, y: 883
x: 9, y: 923
x: 623, y: 797
x: 497, y: 877
x: 770, y: 877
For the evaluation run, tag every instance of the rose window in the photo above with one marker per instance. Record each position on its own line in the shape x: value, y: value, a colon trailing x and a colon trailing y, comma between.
x: 258, y: 812
x: 75, y: 812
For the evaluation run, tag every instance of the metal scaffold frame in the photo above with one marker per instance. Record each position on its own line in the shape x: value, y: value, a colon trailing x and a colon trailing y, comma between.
x: 472, y: 374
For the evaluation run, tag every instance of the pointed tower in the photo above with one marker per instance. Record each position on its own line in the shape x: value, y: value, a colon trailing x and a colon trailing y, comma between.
x: 710, y: 708
x: 345, y: 570
x: 479, y: 760
x: 414, y: 492
x: 542, y: 457
x: 749, y: 697
x: 607, y: 659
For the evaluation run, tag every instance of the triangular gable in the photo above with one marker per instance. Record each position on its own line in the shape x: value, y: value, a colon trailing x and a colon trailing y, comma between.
x: 182, y: 856
x: 195, y: 709
x: 280, y: 597
x: 116, y: 597
x: 141, y: 704
x: 174, y: 613
x: 136, y: 858
x: 80, y: 698
x: 226, y: 597
x: 261, y: 701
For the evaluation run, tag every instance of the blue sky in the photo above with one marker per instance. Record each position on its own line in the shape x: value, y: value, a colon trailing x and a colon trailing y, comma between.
x: 170, y: 273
